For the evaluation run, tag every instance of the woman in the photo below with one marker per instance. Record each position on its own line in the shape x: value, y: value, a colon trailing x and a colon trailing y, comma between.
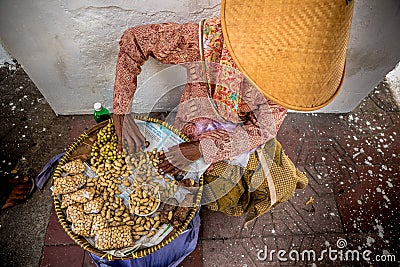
x: 294, y: 53
x: 235, y: 125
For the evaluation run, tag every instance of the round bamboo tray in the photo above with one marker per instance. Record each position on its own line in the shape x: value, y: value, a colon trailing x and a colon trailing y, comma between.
x: 81, y: 241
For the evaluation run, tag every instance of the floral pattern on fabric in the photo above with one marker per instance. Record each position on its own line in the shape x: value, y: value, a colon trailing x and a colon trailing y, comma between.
x: 169, y: 43
x: 174, y: 43
x: 224, y: 79
x: 220, y: 140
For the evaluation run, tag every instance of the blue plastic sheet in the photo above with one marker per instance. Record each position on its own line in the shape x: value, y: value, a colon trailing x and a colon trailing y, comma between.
x: 47, y: 171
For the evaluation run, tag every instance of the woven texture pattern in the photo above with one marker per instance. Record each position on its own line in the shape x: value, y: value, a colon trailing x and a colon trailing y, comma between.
x: 293, y: 51
x: 235, y: 190
x: 81, y: 241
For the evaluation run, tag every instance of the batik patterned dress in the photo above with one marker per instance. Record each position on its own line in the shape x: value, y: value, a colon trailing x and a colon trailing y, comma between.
x: 220, y: 108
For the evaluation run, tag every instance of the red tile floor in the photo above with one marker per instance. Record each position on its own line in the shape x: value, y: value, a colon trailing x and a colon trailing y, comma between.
x: 352, y: 162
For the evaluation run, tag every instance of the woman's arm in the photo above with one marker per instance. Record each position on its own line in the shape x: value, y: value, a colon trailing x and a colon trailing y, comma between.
x: 262, y: 125
x: 170, y: 43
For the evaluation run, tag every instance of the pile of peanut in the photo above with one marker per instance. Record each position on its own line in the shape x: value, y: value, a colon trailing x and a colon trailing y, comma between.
x: 115, y: 237
x: 143, y: 168
x: 106, y: 161
x: 144, y: 200
x: 145, y: 226
x: 74, y: 167
x: 95, y: 206
x: 68, y: 184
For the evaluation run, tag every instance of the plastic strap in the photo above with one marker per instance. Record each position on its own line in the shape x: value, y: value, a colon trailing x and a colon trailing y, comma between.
x: 264, y: 165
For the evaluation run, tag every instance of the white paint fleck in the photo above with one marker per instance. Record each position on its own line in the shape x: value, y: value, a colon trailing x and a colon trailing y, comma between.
x: 380, y: 230
x: 370, y: 241
x: 386, y: 198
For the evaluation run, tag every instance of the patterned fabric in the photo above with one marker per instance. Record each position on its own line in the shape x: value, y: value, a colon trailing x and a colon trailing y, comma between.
x: 259, y: 126
x: 253, y: 119
x: 170, y: 43
x: 236, y: 184
x: 173, y: 43
x: 224, y: 79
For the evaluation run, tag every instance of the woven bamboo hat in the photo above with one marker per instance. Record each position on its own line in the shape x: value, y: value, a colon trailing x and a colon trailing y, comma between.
x: 293, y: 51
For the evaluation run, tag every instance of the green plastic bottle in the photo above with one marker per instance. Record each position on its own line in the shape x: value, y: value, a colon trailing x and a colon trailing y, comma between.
x: 100, y: 113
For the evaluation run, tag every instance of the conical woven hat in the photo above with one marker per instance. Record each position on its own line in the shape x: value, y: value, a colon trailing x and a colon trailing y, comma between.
x: 293, y: 51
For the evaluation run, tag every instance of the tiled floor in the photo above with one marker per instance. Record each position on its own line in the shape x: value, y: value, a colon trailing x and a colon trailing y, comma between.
x: 352, y: 161
x: 60, y: 249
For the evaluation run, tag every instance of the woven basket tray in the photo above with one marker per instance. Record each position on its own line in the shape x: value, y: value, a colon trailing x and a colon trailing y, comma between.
x: 81, y: 149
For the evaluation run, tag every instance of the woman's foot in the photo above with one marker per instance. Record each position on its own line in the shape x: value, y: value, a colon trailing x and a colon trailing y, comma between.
x: 15, y: 191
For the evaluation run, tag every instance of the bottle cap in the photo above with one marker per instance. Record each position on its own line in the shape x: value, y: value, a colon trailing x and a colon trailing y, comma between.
x: 97, y: 106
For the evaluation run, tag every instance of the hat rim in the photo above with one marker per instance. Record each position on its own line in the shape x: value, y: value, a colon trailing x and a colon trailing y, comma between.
x: 265, y: 92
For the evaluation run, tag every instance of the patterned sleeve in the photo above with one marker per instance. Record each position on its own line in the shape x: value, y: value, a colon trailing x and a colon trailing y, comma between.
x: 261, y: 125
x: 170, y: 43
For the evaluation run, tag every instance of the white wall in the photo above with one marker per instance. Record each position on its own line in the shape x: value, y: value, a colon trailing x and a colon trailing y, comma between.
x: 393, y: 79
x: 69, y: 48
x: 5, y: 57
x: 374, y: 50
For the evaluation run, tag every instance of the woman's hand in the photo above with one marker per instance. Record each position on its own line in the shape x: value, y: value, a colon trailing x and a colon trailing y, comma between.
x: 179, y: 157
x: 118, y: 124
x: 125, y: 126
